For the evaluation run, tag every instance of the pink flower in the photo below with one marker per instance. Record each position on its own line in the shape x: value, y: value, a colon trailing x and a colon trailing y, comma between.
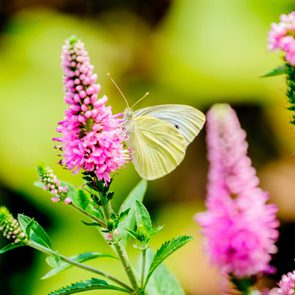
x: 281, y: 36
x: 91, y: 136
x: 52, y: 184
x: 239, y: 227
x: 286, y: 284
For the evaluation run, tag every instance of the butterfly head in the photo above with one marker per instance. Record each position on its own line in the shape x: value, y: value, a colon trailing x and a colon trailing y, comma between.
x: 128, y: 114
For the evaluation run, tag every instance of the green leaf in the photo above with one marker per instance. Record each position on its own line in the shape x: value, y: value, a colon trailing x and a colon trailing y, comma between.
x: 53, y: 261
x: 11, y: 247
x: 137, y: 194
x: 165, y: 251
x: 34, y: 231
x: 92, y: 284
x: 78, y: 258
x: 91, y: 223
x: 142, y: 217
x: 81, y: 199
x: 123, y: 215
x: 162, y: 281
x: 280, y: 70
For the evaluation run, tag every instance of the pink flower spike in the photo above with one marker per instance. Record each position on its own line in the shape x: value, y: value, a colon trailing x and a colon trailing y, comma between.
x: 240, y: 228
x: 92, y: 138
x: 282, y: 36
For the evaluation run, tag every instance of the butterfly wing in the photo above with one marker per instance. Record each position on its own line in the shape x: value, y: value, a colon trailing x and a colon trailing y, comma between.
x: 156, y: 146
x: 186, y: 119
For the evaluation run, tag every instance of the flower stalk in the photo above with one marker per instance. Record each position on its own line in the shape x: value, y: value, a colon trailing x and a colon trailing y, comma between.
x: 119, y: 248
x: 77, y: 264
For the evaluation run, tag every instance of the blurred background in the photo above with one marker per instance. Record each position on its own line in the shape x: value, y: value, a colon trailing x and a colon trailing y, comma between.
x: 181, y: 51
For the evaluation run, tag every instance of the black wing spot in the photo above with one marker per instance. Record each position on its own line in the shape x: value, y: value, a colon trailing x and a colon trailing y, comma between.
x: 176, y: 126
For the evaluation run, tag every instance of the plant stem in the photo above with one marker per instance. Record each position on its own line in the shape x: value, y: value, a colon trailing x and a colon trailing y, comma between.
x: 143, y: 267
x: 122, y: 254
x: 78, y: 264
x: 290, y: 81
x: 94, y: 218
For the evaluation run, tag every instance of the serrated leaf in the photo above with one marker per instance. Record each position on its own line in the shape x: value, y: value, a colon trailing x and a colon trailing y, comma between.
x: 165, y: 251
x: 34, y: 231
x: 137, y: 194
x: 162, y: 281
x: 280, y: 70
x: 123, y: 215
x: 142, y: 217
x: 11, y: 247
x: 92, y: 284
x: 78, y: 258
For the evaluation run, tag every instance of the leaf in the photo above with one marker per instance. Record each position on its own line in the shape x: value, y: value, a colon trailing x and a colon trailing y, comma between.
x: 92, y: 284
x: 11, y: 247
x: 81, y: 199
x: 162, y: 281
x: 123, y: 215
x: 165, y: 251
x: 34, y: 231
x: 280, y: 70
x: 91, y: 223
x: 137, y: 194
x: 53, y: 261
x: 78, y: 258
x: 142, y: 217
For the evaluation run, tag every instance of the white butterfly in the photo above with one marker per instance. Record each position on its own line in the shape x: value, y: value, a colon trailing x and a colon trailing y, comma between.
x: 159, y: 135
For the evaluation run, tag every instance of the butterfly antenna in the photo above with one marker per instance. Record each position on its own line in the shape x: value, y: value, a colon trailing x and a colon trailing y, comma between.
x: 146, y: 94
x: 116, y: 85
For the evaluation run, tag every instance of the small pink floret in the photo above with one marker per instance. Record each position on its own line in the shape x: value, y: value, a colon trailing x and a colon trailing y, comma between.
x: 68, y: 201
x: 55, y: 199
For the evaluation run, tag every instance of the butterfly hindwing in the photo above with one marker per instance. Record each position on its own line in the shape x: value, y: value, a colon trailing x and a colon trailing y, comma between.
x: 188, y: 120
x: 157, y: 147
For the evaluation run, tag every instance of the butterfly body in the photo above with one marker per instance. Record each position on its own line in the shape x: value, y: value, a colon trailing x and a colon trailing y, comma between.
x: 158, y: 137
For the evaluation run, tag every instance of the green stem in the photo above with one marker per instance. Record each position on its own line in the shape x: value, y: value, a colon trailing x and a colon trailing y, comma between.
x: 94, y: 218
x: 290, y: 81
x: 121, y: 252
x: 78, y: 264
x: 143, y: 267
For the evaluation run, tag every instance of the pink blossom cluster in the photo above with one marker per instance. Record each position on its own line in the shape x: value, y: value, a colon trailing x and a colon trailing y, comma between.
x: 240, y: 228
x: 10, y: 227
x: 91, y: 136
x: 281, y: 36
x: 53, y: 185
x: 286, y: 284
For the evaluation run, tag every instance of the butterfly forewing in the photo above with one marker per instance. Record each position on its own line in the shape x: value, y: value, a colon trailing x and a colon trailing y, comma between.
x: 157, y: 147
x: 186, y: 119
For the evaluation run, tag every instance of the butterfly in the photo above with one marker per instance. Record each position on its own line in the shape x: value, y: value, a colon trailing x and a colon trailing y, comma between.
x: 158, y: 136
